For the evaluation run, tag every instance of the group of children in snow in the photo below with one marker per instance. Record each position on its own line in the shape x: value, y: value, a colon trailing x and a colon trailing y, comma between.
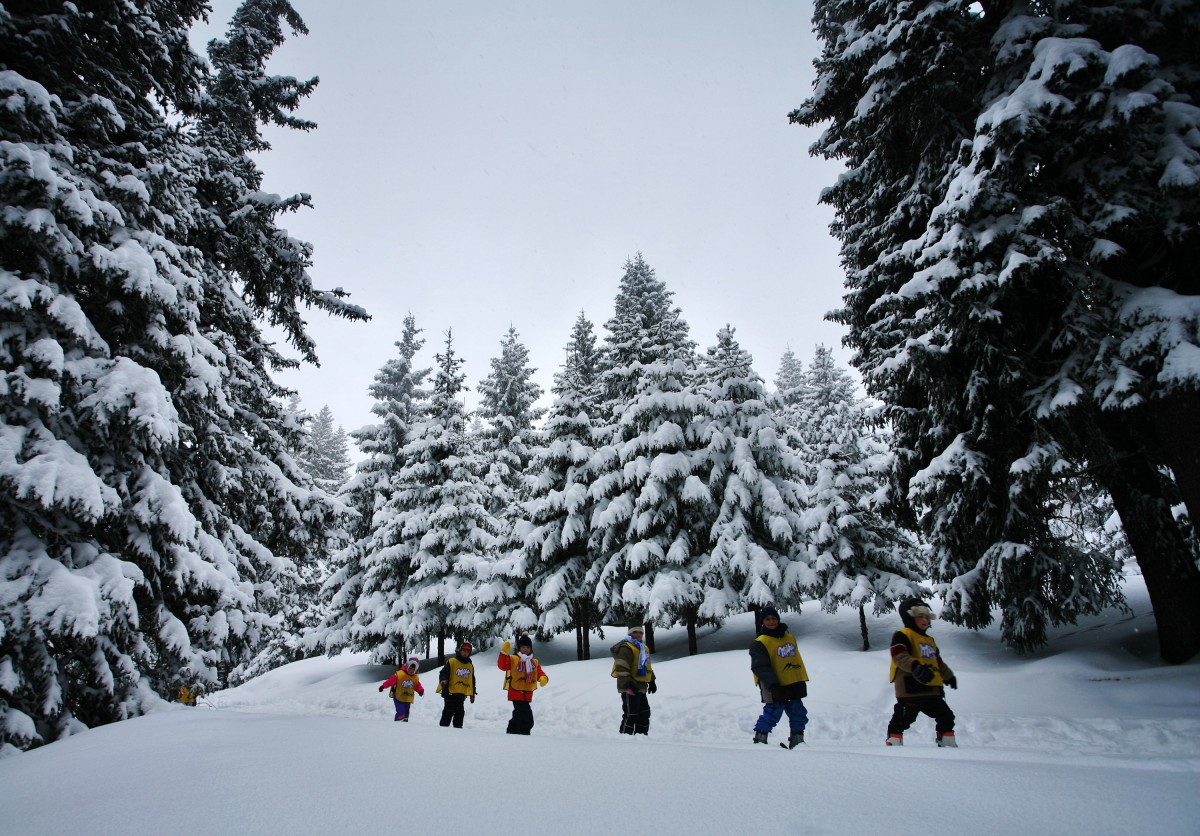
x: 918, y: 672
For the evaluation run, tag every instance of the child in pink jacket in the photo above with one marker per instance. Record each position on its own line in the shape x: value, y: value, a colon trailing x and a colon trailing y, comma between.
x: 404, y: 684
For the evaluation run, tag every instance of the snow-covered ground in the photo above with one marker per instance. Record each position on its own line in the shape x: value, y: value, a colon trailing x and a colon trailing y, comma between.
x: 1093, y: 735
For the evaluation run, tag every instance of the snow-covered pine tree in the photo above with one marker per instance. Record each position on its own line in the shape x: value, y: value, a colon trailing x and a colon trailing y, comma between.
x: 368, y: 575
x: 507, y: 398
x: 145, y: 489
x: 789, y: 382
x: 238, y: 233
x: 859, y: 555
x: 553, y: 559
x: 1017, y: 219
x: 752, y: 484
x: 326, y: 456
x: 642, y: 528
x: 439, y: 506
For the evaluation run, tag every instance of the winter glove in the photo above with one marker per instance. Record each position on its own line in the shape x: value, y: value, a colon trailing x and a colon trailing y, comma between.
x: 472, y: 699
x: 922, y: 674
x: 381, y: 687
x: 629, y: 689
x: 506, y: 648
x: 952, y: 682
x: 652, y: 687
x: 777, y: 694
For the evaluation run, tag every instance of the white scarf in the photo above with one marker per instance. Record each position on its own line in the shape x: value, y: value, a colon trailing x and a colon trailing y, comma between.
x: 525, y: 662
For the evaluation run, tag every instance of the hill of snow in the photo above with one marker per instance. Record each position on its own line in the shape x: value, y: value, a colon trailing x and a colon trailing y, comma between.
x: 1092, y: 735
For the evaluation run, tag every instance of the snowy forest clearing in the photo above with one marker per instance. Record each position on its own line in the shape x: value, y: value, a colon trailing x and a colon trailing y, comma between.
x: 1093, y: 735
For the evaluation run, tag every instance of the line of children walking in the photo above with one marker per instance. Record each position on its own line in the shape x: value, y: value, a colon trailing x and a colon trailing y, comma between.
x: 918, y: 671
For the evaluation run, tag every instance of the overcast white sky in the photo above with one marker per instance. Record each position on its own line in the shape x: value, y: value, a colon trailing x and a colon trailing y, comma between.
x: 485, y: 164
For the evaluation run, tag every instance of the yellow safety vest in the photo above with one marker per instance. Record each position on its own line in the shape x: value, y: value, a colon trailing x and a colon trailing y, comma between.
x: 462, y: 677
x: 786, y: 663
x: 924, y: 652
x: 633, y: 672
x: 405, y: 688
x: 519, y: 680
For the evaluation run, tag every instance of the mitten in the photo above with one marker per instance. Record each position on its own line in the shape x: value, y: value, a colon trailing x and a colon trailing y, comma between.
x: 652, y: 687
x: 922, y: 674
x: 952, y: 682
x: 472, y: 698
x: 381, y: 687
x: 506, y: 648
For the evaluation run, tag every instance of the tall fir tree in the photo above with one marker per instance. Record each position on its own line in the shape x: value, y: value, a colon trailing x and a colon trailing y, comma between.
x: 751, y: 482
x: 642, y: 528
x: 1017, y: 221
x: 552, y: 560
x: 440, y: 508
x: 145, y: 487
x: 859, y: 555
x: 366, y: 575
x: 326, y: 453
x: 507, y: 402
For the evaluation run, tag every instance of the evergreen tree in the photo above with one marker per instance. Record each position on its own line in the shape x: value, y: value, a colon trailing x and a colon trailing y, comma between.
x: 360, y: 609
x: 859, y: 555
x: 789, y: 383
x: 752, y: 486
x: 506, y: 401
x: 146, y: 488
x: 326, y: 455
x: 553, y: 557
x: 1017, y: 222
x: 446, y: 533
x: 643, y: 527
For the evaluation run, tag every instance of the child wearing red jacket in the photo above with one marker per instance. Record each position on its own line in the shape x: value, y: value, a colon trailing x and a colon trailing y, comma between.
x: 525, y: 674
x: 404, y: 684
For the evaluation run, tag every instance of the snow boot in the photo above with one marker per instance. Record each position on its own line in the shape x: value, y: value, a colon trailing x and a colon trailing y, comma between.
x: 795, y: 740
x: 946, y: 740
x: 760, y: 736
x: 895, y: 740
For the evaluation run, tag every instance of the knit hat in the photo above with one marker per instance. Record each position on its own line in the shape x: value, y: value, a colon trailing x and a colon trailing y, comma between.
x: 912, y: 607
x: 524, y: 641
x: 465, y: 646
x: 412, y: 665
x: 637, y: 627
x: 766, y: 611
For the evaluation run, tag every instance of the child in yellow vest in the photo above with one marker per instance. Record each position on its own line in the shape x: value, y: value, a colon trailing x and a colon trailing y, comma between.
x: 405, y: 685
x: 456, y: 684
x: 781, y: 677
x: 919, y: 673
x: 523, y: 675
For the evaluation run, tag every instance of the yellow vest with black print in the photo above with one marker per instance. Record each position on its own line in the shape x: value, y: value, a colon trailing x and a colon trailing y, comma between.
x: 924, y: 652
x: 633, y: 667
x: 786, y: 663
x: 519, y: 680
x: 405, y: 688
x: 462, y: 677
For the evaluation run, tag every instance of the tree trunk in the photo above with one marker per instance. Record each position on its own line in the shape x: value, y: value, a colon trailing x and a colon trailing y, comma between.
x: 862, y: 626
x: 585, y: 614
x: 693, y: 647
x: 441, y: 648
x: 1168, y: 566
x: 649, y: 638
x: 1175, y: 419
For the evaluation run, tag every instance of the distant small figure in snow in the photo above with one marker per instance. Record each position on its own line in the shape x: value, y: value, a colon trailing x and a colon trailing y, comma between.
x: 919, y: 672
x: 189, y: 692
x: 523, y: 675
x: 404, y: 685
x: 456, y: 684
x: 635, y: 678
x: 781, y: 678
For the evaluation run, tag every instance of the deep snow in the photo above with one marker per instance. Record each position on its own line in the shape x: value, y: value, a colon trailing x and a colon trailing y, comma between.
x: 1092, y: 735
